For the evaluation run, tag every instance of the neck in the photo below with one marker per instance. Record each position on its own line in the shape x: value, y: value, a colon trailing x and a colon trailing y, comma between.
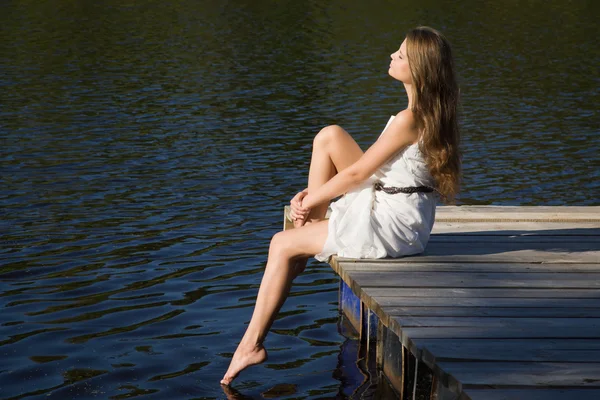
x: 408, y: 88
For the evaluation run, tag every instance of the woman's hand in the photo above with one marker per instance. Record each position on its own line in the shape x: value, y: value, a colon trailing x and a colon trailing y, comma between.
x: 297, y: 211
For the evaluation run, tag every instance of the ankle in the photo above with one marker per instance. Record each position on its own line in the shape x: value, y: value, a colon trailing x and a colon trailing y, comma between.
x: 250, y: 345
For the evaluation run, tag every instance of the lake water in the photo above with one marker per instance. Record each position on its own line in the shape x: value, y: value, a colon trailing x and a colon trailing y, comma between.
x: 148, y: 149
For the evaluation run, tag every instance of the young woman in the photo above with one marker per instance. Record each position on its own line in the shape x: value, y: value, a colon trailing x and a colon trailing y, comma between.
x: 388, y: 208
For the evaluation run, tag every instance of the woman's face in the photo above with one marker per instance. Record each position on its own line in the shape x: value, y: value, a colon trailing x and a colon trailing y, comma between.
x: 399, y: 68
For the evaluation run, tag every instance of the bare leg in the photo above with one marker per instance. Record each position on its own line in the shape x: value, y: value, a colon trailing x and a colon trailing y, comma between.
x: 274, y: 289
x: 333, y: 151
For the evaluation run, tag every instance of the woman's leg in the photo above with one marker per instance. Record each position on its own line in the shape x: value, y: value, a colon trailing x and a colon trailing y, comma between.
x: 285, y: 248
x: 333, y: 151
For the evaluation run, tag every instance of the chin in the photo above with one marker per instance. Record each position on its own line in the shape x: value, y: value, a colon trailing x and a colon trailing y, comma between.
x: 395, y: 77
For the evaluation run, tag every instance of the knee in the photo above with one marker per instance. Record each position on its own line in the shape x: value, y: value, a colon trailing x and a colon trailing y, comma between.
x: 279, y: 245
x: 327, y: 135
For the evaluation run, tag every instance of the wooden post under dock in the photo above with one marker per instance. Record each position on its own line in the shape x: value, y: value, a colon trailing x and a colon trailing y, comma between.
x: 503, y: 304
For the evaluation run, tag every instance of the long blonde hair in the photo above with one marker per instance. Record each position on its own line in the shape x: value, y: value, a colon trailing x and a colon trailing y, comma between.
x: 435, y: 97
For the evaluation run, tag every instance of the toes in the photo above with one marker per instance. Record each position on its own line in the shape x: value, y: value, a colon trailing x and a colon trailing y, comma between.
x: 225, y: 381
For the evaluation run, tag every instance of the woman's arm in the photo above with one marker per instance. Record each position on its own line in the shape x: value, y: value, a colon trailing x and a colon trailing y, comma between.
x: 400, y: 133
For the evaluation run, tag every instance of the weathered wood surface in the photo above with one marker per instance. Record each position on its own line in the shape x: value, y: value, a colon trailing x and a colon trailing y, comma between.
x: 577, y: 253
x: 503, y: 304
x: 401, y: 266
x: 388, y: 297
x: 478, y: 279
x: 538, y: 349
x: 517, y: 213
x: 532, y: 394
x: 524, y: 373
x: 501, y: 228
x: 515, y: 312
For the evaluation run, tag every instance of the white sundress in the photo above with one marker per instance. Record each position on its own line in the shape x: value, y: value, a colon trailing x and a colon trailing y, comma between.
x: 365, y: 223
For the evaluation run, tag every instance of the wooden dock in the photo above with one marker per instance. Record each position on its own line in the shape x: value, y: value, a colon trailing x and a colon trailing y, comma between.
x: 503, y: 304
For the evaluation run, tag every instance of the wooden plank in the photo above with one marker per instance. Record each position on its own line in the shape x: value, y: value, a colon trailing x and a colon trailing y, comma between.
x: 477, y: 280
x: 394, y: 305
x: 465, y: 296
x: 484, y: 311
x: 490, y: 322
x: 517, y: 228
x: 592, y: 211
x: 513, y: 252
x: 523, y: 373
x: 449, y: 253
x: 350, y: 305
x: 392, y: 296
x: 399, y: 266
x: 464, y: 332
x: 531, y: 240
x: 547, y: 350
x: 531, y: 394
x: 379, y: 298
x: 518, y: 213
x: 379, y: 303
x: 392, y: 354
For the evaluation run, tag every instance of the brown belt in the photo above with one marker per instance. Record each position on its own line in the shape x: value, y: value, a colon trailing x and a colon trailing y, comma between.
x: 407, y: 190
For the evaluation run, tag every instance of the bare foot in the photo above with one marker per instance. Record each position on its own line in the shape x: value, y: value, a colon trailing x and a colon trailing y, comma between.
x: 243, y: 358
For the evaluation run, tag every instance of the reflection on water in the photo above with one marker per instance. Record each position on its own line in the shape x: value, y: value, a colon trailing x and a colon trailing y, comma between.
x: 148, y: 150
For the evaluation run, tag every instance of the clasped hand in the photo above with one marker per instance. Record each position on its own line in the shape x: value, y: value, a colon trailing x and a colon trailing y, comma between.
x: 297, y: 211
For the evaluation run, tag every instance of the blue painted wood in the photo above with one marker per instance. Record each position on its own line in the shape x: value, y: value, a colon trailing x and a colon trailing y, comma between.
x: 369, y: 324
x: 392, y: 359
x: 350, y: 305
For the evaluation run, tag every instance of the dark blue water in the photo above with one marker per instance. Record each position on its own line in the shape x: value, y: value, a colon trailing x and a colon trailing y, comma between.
x: 148, y: 149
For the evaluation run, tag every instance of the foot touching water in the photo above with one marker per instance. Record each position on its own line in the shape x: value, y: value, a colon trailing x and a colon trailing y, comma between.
x: 243, y: 358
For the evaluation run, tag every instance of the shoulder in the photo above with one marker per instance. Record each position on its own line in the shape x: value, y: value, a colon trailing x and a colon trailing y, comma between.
x: 405, y: 119
x: 404, y: 124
